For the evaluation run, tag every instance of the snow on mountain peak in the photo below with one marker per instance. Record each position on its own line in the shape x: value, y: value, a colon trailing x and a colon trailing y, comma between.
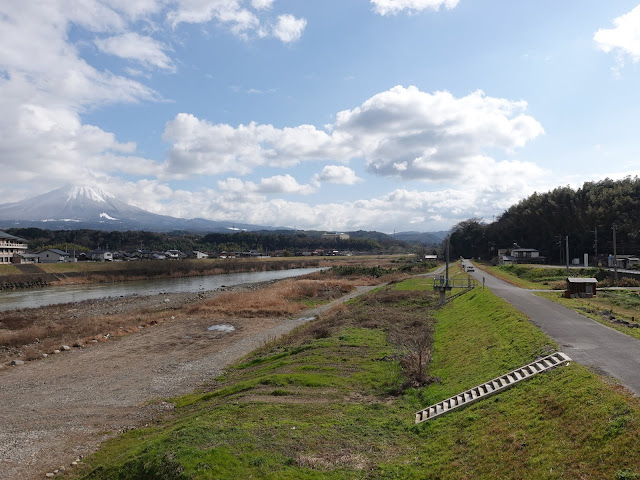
x: 92, y: 193
x: 107, y: 216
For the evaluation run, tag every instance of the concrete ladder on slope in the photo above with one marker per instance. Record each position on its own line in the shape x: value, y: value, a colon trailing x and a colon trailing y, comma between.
x: 492, y: 387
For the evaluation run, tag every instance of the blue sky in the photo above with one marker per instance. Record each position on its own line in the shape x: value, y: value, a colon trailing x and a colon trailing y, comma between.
x: 387, y: 115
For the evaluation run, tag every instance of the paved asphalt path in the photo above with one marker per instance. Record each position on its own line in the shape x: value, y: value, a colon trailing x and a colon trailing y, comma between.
x: 586, y: 341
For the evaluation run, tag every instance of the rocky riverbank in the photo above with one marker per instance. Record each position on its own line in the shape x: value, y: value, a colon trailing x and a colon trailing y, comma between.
x: 57, y: 409
x: 83, y: 324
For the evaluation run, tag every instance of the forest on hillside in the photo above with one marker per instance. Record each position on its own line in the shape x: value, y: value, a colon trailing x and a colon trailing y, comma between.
x: 542, y: 221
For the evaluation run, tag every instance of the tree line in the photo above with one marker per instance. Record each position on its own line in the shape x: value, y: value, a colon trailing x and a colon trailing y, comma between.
x: 587, y: 216
x: 267, y: 242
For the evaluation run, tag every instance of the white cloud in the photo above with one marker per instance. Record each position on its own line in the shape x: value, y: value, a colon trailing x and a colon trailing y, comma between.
x: 277, y: 184
x: 133, y: 46
x: 392, y: 7
x: 283, y: 184
x: 46, y: 86
x: 337, y: 174
x: 289, y: 28
x: 137, y: 9
x: 199, y: 147
x: 238, y: 201
x: 624, y: 38
x: 262, y: 4
x: 411, y: 134
x: 240, y: 20
x: 402, y: 133
x: 227, y: 12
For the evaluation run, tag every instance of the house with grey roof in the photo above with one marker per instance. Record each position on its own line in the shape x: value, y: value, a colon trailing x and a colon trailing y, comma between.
x: 53, y: 255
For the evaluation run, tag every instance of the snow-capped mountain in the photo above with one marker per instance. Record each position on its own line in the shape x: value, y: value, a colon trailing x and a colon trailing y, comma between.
x: 74, y: 207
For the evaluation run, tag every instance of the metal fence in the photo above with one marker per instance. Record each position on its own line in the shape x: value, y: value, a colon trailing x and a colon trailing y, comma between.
x: 454, y: 282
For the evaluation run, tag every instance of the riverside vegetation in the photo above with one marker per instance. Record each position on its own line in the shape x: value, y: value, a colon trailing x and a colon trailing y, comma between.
x: 27, y: 334
x: 336, y: 398
x: 109, y: 272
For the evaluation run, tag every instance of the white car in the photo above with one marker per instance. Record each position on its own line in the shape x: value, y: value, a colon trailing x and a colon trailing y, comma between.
x: 470, y: 268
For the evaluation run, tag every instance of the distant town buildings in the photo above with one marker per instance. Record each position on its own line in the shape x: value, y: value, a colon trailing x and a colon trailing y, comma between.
x: 14, y: 250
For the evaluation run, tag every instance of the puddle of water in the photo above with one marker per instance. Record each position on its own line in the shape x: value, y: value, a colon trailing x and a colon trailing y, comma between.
x: 222, y: 328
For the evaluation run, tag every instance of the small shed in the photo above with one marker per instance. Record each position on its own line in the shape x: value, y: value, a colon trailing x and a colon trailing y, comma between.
x: 580, y: 287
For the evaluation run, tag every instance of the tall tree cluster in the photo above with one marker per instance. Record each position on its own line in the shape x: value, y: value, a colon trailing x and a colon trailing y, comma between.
x: 543, y: 221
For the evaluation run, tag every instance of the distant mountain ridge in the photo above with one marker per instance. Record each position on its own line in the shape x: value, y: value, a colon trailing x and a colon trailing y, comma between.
x: 423, y: 238
x: 76, y: 207
x: 79, y: 206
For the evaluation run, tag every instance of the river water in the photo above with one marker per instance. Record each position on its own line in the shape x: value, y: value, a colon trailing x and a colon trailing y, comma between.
x: 39, y: 297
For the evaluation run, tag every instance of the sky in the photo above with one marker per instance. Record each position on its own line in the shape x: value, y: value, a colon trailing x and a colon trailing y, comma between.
x: 337, y: 115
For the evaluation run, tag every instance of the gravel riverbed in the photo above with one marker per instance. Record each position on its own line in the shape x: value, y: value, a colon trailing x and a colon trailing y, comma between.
x: 58, y: 409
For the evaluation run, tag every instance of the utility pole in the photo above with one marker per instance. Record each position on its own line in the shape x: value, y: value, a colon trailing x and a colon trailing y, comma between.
x: 567, y: 243
x: 447, y: 263
x: 595, y: 244
x: 615, y: 258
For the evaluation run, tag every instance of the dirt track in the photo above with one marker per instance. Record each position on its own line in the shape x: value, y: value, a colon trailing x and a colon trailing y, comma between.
x: 55, y: 410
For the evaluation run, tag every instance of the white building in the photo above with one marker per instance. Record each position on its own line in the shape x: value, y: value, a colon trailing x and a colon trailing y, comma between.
x: 520, y: 255
x: 11, y: 245
x: 337, y: 236
x: 101, y: 255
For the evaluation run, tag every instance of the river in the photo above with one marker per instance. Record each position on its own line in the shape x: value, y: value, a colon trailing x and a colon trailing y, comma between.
x: 40, y: 297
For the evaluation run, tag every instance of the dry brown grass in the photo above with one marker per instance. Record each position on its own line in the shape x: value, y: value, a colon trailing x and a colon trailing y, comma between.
x: 362, y: 280
x: 29, y: 333
x: 43, y: 335
x: 287, y: 297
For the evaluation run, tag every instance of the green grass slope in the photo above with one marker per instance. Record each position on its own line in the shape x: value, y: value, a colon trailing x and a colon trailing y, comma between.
x: 336, y: 400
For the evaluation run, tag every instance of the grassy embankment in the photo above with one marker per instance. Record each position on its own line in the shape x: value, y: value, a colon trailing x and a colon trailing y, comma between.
x: 336, y: 400
x: 537, y: 277
x: 8, y: 269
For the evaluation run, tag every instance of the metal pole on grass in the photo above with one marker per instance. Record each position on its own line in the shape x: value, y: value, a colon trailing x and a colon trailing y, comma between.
x: 567, y: 242
x: 447, y: 263
x: 615, y: 258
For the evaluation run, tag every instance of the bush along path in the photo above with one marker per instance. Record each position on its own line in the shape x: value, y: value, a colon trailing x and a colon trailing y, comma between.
x: 336, y: 398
